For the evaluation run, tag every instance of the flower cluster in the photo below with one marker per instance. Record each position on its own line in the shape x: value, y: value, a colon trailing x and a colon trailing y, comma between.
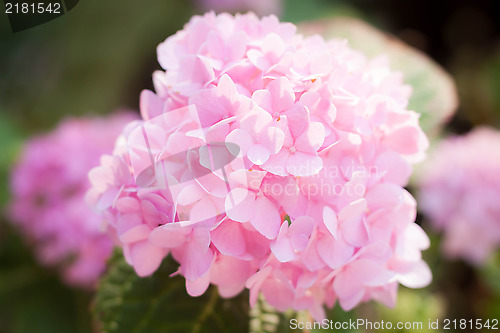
x: 48, y: 187
x: 460, y: 192
x: 269, y: 161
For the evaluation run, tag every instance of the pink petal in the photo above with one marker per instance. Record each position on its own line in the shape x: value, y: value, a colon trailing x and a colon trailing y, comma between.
x: 228, y: 238
x: 266, y: 217
x: 276, y: 164
x: 282, y: 247
x: 107, y: 199
x: 199, y: 286
x: 353, y: 210
x: 150, y: 104
x: 273, y: 139
x: 169, y: 235
x: 370, y: 273
x: 196, y: 260
x: 334, y: 252
x: 416, y: 236
x: 255, y: 121
x: 146, y: 257
x: 419, y: 277
x: 240, y: 205
x: 240, y: 138
x: 349, y: 290
x: 393, y: 168
x: 354, y: 231
x: 330, y: 220
x: 128, y: 221
x: 301, y: 165
x: 230, y: 275
x: 135, y: 234
x: 404, y: 140
x: 189, y: 194
x: 281, y: 90
x: 263, y: 99
x: 258, y: 154
x: 384, y: 195
x: 312, y: 139
x: 203, y: 210
x: 278, y: 293
x: 127, y: 205
x: 273, y: 45
x: 258, y: 60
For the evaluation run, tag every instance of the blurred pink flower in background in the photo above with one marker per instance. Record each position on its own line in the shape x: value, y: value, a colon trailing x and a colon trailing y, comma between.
x: 48, y: 186
x: 460, y: 193
x: 260, y: 7
x: 309, y: 209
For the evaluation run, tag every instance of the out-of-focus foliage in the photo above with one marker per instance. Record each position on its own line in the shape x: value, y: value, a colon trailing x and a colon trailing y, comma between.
x: 265, y: 319
x: 96, y: 58
x: 491, y: 275
x: 33, y: 299
x: 412, y: 308
x: 434, y: 94
x: 298, y: 10
x: 160, y: 303
x: 10, y: 141
x: 478, y: 82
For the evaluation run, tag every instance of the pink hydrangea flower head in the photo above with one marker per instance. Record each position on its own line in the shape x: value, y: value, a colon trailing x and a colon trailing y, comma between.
x: 270, y: 161
x: 460, y: 192
x: 48, y: 186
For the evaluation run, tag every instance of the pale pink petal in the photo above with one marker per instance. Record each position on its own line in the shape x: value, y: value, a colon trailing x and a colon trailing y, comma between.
x: 277, y: 164
x: 169, y: 235
x: 258, y: 154
x: 150, y: 104
x: 301, y: 165
x: 349, y: 290
x: 419, y: 277
x: 199, y: 286
x: 240, y: 205
x: 146, y: 257
x: 203, y: 210
x: 312, y: 139
x: 266, y: 218
x: 331, y: 221
x: 196, y: 260
x: 281, y: 90
x: 282, y: 246
x: 334, y: 252
x: 228, y: 238
x: 353, y: 210
x: 240, y: 138
x: 135, y: 234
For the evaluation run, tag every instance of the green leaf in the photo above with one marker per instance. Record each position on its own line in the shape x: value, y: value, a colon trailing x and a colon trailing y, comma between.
x: 160, y: 303
x: 434, y: 93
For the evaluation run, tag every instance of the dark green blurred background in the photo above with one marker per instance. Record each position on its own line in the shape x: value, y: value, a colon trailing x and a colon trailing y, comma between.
x: 100, y: 55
